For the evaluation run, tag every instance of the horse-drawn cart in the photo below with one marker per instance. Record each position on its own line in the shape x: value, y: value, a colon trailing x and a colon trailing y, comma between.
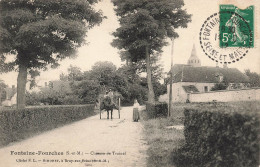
x: 109, y: 103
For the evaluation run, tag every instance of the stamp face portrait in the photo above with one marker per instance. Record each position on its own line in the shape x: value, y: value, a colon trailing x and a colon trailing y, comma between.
x: 226, y: 36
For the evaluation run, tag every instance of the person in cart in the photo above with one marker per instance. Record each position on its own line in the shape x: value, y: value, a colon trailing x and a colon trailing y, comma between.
x: 110, y: 93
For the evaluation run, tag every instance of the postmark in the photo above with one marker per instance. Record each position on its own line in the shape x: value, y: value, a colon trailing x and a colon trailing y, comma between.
x: 220, y: 40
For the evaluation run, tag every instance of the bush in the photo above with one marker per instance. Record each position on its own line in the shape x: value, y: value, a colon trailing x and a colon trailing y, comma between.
x: 156, y: 110
x: 220, y: 135
x: 18, y: 124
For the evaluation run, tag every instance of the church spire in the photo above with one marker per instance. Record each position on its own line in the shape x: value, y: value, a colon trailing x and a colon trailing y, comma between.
x: 194, y: 60
x: 193, y: 52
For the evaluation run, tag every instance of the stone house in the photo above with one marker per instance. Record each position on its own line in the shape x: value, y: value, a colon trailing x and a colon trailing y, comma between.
x: 194, y: 78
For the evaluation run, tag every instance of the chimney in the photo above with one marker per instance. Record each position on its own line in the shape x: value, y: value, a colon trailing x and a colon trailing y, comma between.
x: 217, y: 65
x: 13, y: 87
x: 45, y: 84
x: 225, y: 65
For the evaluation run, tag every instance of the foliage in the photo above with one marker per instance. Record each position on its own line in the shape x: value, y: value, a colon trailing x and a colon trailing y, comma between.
x: 104, y: 76
x: 144, y: 27
x: 222, y: 85
x: 133, y: 89
x: 56, y: 27
x: 74, y: 73
x: 156, y: 110
x: 159, y: 89
x: 104, y: 72
x: 220, y: 135
x: 38, y: 34
x: 86, y: 86
x: 57, y: 93
x: 63, y: 77
x: 19, y: 124
x: 147, y: 23
x: 254, y: 78
x: 219, y: 86
x: 136, y: 91
x: 130, y: 72
x: 86, y: 90
x: 33, y: 98
x: 101, y: 77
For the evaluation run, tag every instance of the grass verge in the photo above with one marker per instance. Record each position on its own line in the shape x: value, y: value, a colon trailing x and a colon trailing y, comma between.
x: 162, y: 138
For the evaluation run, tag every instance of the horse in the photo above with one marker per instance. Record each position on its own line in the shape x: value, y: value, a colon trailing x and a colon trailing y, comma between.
x: 108, y: 105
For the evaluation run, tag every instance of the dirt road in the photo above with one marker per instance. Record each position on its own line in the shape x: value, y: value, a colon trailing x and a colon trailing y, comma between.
x: 89, y: 142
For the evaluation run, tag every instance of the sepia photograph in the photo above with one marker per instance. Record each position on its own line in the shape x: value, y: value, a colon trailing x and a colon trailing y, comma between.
x: 129, y: 83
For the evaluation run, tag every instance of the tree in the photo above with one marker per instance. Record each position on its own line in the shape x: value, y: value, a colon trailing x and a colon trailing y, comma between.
x: 144, y: 28
x: 101, y: 77
x: 104, y: 72
x: 87, y: 90
x: 130, y: 87
x: 254, y: 78
x: 221, y: 85
x: 63, y: 77
x: 74, y: 73
x: 40, y: 33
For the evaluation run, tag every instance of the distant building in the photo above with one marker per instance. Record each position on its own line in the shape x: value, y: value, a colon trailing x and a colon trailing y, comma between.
x: 8, y: 96
x: 194, y: 78
x: 57, y: 85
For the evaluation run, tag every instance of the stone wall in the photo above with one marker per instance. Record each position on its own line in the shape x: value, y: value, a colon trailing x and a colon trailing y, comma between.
x: 226, y: 96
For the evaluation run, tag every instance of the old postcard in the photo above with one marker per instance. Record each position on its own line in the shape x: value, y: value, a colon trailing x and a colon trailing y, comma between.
x: 120, y: 83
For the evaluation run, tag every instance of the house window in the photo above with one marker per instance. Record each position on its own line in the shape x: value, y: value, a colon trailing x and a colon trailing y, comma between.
x: 206, y: 89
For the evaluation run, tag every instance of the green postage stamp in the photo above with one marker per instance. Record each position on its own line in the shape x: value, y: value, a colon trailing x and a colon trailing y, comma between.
x: 227, y: 35
x: 236, y: 28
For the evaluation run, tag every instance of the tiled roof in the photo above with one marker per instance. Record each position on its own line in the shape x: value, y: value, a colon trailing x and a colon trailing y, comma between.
x: 203, y: 74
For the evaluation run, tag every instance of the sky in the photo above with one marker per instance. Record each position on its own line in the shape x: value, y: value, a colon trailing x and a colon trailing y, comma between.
x: 99, y: 42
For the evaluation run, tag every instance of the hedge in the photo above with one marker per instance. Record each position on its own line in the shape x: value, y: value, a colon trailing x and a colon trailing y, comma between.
x: 19, y: 124
x: 156, y: 110
x: 220, y: 136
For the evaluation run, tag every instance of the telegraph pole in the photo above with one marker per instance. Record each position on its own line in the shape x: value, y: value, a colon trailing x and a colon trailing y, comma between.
x: 171, y: 78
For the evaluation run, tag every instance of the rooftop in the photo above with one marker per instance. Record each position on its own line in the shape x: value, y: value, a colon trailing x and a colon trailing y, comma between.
x: 204, y: 74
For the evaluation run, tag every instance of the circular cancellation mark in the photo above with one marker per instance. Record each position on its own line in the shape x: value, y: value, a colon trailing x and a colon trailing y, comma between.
x: 210, y: 37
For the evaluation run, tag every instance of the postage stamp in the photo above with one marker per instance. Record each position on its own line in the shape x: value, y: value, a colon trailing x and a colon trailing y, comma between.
x: 227, y: 36
x: 236, y: 26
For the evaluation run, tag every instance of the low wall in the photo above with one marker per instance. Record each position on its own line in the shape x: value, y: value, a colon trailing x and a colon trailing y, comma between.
x: 226, y: 96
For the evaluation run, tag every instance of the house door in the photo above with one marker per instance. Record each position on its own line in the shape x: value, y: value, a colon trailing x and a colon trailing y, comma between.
x: 206, y: 88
